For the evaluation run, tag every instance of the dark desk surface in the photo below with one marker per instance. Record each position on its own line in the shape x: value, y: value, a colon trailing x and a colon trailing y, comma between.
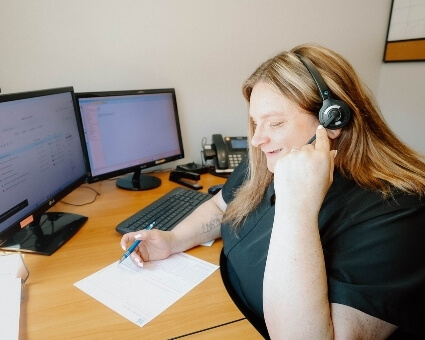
x: 54, y: 309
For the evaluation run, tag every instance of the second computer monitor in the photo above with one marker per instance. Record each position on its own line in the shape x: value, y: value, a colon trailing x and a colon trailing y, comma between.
x: 128, y: 131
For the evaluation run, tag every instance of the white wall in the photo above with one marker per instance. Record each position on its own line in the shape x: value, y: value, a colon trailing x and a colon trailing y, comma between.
x: 205, y: 49
x: 401, y: 96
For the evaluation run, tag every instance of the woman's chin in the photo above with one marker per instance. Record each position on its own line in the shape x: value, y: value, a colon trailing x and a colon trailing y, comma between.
x: 270, y: 165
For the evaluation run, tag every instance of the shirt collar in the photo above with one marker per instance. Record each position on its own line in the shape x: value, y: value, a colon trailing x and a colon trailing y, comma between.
x: 271, y: 197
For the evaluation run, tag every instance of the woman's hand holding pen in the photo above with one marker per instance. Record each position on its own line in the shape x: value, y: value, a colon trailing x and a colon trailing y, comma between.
x: 306, y: 175
x: 155, y: 245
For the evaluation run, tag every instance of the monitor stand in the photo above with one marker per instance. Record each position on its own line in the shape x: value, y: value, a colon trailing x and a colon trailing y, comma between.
x: 47, y: 234
x: 137, y: 181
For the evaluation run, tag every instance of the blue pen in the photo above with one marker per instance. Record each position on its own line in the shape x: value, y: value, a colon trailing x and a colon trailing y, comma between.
x: 134, y: 245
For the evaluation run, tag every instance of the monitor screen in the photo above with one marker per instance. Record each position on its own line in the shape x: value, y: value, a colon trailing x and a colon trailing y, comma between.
x: 128, y: 131
x: 42, y: 159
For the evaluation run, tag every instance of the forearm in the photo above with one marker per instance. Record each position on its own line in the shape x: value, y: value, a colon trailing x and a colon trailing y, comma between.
x: 201, y: 226
x: 295, y: 286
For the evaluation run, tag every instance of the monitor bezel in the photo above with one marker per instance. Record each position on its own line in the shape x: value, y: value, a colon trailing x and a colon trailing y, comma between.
x: 142, y: 166
x: 38, y: 211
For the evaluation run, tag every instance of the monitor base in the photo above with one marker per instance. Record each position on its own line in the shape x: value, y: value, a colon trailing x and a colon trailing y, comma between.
x: 138, y: 182
x: 41, y: 237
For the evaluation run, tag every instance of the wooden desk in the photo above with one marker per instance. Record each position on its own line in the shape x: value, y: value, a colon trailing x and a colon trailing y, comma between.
x: 54, y: 309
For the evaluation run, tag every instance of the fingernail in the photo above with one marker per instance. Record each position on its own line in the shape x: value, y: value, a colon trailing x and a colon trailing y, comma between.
x: 137, y: 236
x: 137, y: 259
x: 140, y: 264
x: 320, y: 127
x: 123, y: 248
x: 336, y: 151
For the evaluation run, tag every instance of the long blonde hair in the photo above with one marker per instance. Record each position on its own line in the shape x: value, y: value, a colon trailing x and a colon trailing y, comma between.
x: 368, y: 151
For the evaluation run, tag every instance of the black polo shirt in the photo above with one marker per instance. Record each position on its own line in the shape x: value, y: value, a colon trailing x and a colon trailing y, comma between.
x: 374, y: 251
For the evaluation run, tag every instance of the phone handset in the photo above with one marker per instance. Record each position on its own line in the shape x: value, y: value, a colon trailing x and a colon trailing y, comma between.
x: 227, y: 152
x: 221, y: 151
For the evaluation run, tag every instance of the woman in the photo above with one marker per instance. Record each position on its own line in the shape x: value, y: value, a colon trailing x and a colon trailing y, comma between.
x: 326, y: 241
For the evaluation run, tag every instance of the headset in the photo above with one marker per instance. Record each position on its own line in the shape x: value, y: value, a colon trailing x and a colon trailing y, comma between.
x: 334, y: 114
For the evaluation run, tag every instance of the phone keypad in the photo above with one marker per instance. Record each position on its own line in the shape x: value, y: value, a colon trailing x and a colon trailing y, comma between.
x: 234, y: 160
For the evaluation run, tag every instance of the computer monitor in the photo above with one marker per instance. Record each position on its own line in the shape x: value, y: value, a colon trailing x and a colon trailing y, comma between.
x: 42, y: 159
x: 128, y: 131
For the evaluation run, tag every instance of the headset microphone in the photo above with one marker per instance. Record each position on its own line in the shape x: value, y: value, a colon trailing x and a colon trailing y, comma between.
x: 326, y: 124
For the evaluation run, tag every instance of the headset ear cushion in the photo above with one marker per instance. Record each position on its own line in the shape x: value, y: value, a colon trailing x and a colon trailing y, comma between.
x: 338, y: 109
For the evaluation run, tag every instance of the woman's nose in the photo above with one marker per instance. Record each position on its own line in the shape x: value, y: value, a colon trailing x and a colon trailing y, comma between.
x: 259, y: 137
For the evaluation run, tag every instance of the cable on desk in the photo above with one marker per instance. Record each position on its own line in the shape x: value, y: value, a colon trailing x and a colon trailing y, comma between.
x: 90, y: 202
x: 207, y: 329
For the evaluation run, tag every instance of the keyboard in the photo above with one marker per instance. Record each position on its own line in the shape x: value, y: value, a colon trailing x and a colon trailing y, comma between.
x: 166, y: 212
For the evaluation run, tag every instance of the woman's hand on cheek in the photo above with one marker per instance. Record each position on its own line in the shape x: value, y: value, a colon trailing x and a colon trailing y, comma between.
x: 305, y: 176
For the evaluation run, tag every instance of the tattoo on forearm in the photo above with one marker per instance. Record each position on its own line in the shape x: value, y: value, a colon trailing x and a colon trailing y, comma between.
x: 215, y: 222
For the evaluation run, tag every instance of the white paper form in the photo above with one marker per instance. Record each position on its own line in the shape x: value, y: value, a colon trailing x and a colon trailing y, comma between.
x: 140, y: 294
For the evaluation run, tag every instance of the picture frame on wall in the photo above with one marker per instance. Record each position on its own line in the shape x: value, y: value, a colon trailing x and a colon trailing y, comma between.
x: 406, y: 31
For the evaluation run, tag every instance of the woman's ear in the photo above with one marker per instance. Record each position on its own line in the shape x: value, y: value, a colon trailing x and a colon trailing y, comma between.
x: 332, y: 134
